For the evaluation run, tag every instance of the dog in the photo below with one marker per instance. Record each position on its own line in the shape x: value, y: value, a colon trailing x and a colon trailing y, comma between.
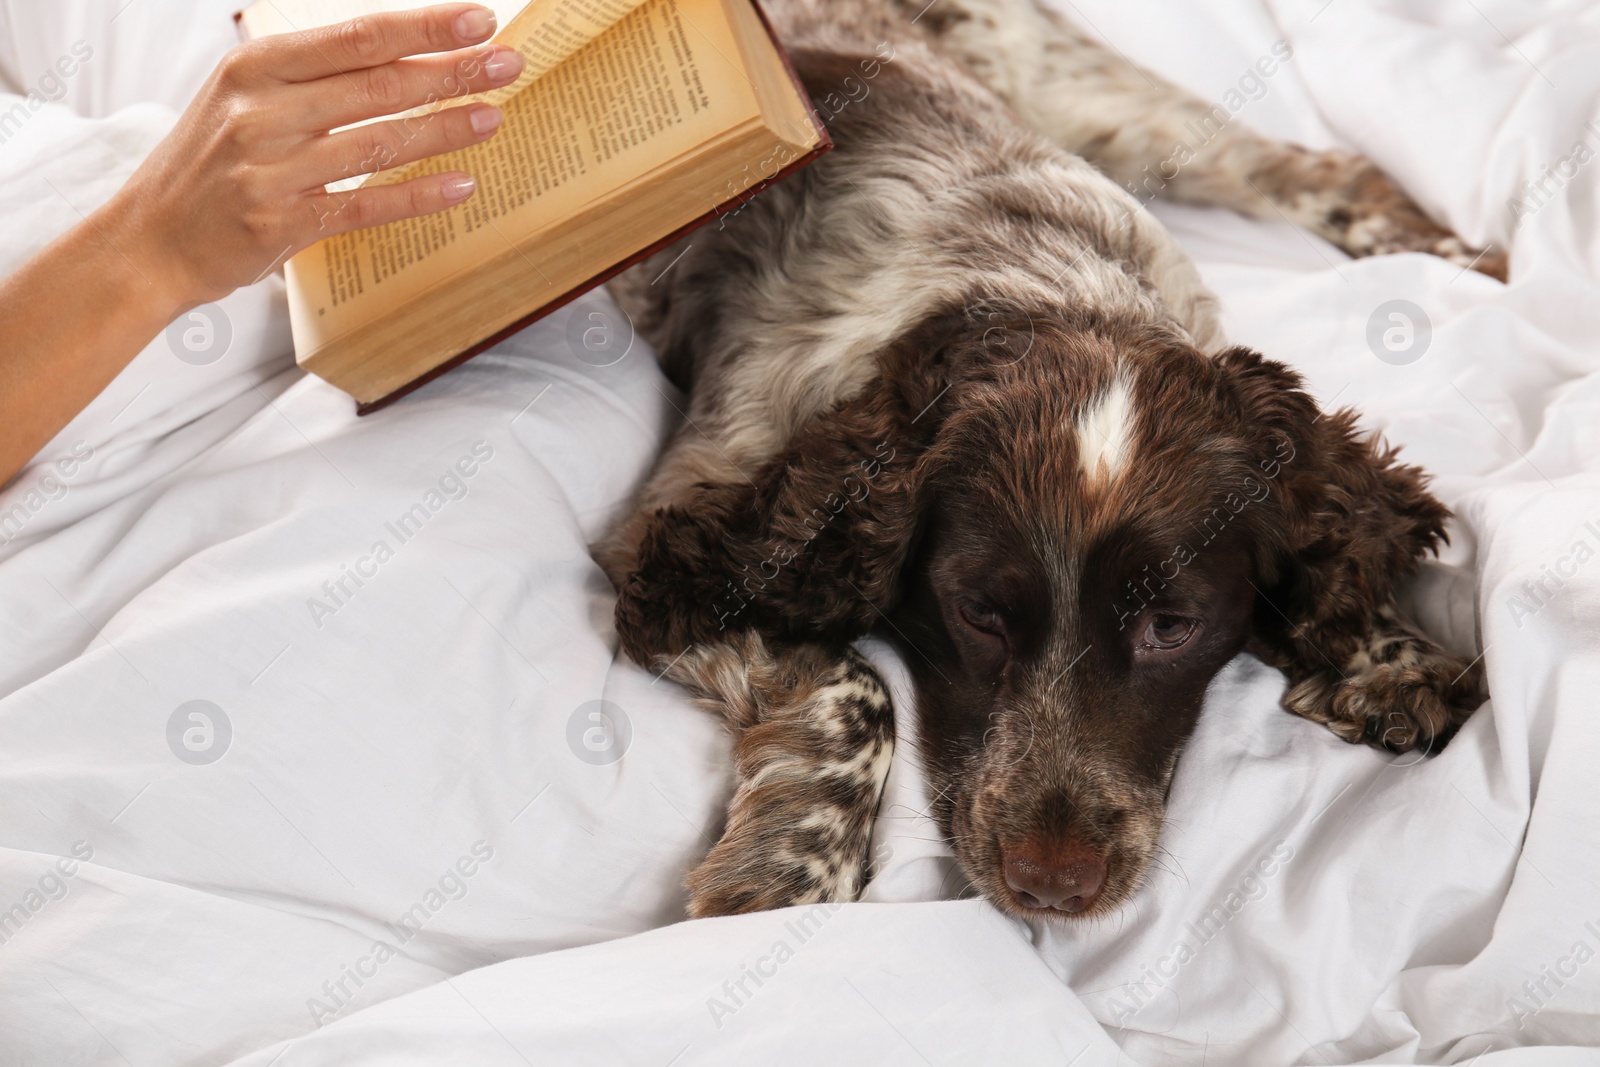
x: 952, y: 383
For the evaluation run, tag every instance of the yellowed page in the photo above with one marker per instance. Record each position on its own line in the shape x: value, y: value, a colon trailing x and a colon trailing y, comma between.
x: 654, y: 86
x: 546, y: 32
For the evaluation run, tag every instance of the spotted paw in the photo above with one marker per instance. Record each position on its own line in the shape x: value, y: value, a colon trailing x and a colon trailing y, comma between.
x: 760, y: 871
x: 1355, y: 205
x: 1401, y: 692
x: 813, y: 732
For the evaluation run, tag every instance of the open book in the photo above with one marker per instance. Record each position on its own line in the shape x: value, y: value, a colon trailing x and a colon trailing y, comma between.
x: 633, y: 122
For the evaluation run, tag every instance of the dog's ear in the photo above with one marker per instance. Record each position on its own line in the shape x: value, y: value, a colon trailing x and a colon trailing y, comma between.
x: 1350, y: 524
x: 812, y: 546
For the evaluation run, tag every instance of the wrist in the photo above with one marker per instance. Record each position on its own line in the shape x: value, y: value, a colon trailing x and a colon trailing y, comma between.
x: 143, y: 260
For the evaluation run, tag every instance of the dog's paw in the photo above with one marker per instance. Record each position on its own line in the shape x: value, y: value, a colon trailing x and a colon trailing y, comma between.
x: 799, y: 828
x: 1401, y: 692
x: 1359, y: 208
x: 814, y: 733
x: 761, y: 870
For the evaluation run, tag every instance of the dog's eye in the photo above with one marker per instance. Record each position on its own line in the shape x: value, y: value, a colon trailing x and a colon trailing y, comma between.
x: 1168, y: 631
x: 981, y: 617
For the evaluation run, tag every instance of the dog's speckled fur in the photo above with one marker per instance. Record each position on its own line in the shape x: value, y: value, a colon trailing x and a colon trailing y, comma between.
x: 814, y: 731
x: 952, y: 378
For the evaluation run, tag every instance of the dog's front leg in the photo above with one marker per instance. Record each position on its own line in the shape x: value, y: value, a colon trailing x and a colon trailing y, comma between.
x: 813, y: 734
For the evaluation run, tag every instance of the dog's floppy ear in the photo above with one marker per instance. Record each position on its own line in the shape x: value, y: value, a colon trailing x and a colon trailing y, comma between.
x: 812, y: 546
x: 1351, y: 524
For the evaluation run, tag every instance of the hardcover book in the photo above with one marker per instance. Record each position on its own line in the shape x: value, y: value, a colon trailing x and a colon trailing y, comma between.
x: 633, y: 122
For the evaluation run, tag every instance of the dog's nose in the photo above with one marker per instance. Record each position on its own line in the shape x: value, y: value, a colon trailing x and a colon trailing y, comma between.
x: 1066, y: 878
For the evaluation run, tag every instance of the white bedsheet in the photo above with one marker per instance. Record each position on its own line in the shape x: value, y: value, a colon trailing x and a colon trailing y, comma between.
x: 416, y: 848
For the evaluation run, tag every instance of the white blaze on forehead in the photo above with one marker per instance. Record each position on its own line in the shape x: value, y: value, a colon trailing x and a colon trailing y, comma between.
x: 1105, y: 431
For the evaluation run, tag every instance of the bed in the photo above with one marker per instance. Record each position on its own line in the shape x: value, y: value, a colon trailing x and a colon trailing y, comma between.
x: 316, y: 748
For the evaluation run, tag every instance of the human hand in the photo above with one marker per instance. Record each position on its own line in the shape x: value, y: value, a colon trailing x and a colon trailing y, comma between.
x: 238, y: 185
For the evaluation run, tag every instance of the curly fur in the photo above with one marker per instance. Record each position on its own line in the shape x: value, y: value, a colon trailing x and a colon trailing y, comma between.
x: 951, y: 380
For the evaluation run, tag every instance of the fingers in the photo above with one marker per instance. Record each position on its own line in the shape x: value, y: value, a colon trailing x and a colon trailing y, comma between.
x: 370, y: 41
x: 337, y: 213
x: 398, y: 87
x: 385, y: 145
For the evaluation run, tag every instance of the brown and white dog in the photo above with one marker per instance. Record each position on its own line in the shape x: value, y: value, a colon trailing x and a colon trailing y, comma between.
x: 952, y: 381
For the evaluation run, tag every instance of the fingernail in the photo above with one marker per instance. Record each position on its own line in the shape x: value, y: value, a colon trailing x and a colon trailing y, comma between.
x: 503, y: 66
x: 475, y: 25
x: 457, y: 189
x: 485, y: 120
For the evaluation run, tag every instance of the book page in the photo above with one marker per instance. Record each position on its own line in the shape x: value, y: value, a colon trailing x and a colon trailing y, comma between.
x: 549, y: 31
x: 656, y: 85
x: 546, y: 32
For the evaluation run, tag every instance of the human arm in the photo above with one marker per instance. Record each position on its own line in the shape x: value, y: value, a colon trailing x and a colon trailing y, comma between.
x: 235, y: 189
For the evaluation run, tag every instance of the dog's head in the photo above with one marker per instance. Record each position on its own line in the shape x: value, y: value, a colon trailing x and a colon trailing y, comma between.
x: 1102, y: 518
x: 1095, y: 516
x: 1071, y: 525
